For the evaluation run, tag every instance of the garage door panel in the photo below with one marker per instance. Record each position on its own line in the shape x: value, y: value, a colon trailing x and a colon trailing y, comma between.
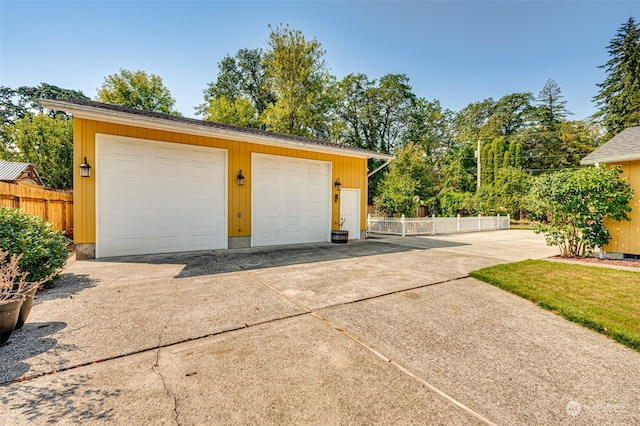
x: 287, y: 192
x: 168, y: 243
x: 150, y: 202
x: 169, y: 152
x: 117, y: 227
x: 199, y: 187
x: 202, y: 226
x: 125, y: 245
x: 203, y: 171
x: 294, y: 222
x: 130, y: 147
x: 315, y: 206
x: 113, y: 208
x: 203, y: 206
x: 316, y: 223
x: 168, y: 168
x: 166, y: 186
x: 167, y: 207
x: 167, y: 225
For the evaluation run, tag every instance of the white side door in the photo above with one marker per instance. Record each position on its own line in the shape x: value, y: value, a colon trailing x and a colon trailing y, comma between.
x: 350, y: 212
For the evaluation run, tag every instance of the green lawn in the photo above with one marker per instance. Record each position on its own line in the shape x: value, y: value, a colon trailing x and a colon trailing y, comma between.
x: 605, y: 300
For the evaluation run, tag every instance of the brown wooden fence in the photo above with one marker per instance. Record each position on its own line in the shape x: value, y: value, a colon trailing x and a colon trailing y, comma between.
x: 53, y: 206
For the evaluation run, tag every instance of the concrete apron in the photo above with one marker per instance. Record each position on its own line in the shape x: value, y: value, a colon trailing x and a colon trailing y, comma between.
x: 384, y: 331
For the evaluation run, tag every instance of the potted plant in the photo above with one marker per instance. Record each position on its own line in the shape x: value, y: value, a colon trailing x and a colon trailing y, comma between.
x: 16, y: 294
x: 341, y: 236
x: 40, y: 253
x: 29, y: 291
x: 12, y: 280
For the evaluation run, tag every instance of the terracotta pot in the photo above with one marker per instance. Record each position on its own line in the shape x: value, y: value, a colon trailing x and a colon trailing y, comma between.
x: 9, y: 312
x: 26, y: 306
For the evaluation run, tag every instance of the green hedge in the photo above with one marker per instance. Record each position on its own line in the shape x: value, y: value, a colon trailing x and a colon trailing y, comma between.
x: 44, y: 250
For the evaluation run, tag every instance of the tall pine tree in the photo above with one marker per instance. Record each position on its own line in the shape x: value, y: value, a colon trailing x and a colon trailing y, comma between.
x: 619, y: 96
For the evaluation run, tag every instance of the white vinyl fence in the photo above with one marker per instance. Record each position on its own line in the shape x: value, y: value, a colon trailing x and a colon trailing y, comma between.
x: 435, y: 225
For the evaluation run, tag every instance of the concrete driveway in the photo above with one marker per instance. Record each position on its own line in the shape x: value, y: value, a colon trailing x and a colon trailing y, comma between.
x: 382, y: 331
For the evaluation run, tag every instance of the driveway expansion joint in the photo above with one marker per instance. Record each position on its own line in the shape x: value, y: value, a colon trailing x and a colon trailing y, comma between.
x: 361, y: 343
x: 148, y: 349
x: 404, y: 370
x: 307, y: 311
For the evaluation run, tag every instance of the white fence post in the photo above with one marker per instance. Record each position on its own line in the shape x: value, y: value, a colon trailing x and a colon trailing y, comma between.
x: 458, y: 223
x: 404, y: 229
x: 433, y: 226
x: 508, y: 221
x: 498, y: 221
x: 480, y: 222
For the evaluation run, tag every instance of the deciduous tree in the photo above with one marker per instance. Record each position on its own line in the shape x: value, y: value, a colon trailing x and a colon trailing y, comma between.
x: 296, y: 74
x: 408, y: 181
x: 45, y: 141
x: 139, y: 90
x: 241, y: 79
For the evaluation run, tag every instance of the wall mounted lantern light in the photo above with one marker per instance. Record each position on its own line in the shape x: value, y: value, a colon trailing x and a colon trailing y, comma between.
x: 240, y: 178
x: 85, y: 168
x: 337, y: 184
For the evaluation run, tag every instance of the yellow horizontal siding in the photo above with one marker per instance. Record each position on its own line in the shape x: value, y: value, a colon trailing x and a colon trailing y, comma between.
x: 351, y: 171
x: 625, y: 236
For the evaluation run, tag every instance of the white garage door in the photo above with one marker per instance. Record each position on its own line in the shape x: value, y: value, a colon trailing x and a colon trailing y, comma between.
x: 291, y: 200
x: 158, y: 197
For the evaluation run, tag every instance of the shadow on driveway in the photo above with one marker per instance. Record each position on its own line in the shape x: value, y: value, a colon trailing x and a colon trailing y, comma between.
x: 66, y: 285
x: 25, y: 343
x: 72, y: 398
x: 223, y: 261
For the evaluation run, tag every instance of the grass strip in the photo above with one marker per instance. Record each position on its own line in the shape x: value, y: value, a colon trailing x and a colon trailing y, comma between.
x: 602, y: 299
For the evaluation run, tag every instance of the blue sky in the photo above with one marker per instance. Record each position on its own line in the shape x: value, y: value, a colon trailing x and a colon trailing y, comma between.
x: 454, y: 51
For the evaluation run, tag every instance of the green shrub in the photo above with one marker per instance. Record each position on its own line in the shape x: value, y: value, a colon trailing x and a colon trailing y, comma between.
x: 576, y: 203
x: 44, y: 251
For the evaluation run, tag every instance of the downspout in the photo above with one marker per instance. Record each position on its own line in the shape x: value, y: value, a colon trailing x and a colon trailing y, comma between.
x: 380, y: 168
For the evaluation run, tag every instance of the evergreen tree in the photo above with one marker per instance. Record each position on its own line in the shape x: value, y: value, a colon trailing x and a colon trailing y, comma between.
x: 619, y: 96
x: 551, y: 110
x: 544, y: 144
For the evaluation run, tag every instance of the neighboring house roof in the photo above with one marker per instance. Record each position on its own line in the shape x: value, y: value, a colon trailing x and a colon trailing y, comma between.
x: 625, y: 146
x: 92, y: 110
x: 14, y: 172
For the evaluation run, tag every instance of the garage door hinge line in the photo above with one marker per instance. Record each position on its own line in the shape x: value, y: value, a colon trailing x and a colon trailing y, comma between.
x: 404, y: 370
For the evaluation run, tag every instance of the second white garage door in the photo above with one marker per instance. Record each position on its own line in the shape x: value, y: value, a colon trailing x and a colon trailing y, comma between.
x: 159, y: 197
x: 291, y: 200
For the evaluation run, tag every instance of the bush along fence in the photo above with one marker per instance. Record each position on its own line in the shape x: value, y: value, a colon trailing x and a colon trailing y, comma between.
x: 53, y: 206
x: 435, y: 225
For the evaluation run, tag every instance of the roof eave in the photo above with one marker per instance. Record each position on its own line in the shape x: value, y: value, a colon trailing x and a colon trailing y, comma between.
x: 613, y: 159
x: 98, y: 114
